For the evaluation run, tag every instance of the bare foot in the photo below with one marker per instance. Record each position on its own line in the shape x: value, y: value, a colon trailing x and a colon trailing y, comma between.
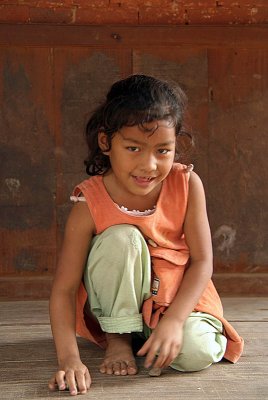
x: 119, y: 358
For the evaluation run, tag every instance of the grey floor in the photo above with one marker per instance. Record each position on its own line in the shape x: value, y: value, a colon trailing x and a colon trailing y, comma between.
x: 27, y: 360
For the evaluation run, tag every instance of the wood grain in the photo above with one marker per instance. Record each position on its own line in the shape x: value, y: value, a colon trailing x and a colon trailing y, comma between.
x: 27, y: 359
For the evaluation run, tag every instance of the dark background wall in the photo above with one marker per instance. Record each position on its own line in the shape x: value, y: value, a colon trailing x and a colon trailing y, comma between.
x: 57, y: 60
x: 133, y: 12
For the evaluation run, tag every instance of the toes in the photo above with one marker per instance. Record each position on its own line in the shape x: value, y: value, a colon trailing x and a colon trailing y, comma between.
x: 122, y: 368
x: 102, y: 369
x: 106, y: 369
x: 109, y: 369
x: 119, y: 368
x: 132, y: 368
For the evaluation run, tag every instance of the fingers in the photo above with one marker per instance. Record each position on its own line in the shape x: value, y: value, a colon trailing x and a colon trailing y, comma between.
x: 71, y: 382
x: 146, y: 347
x: 75, y: 381
x: 87, y: 379
x: 52, y: 384
x: 166, y: 355
x: 166, y: 352
x: 150, y: 348
x: 57, y: 382
x: 81, y: 382
x: 151, y: 354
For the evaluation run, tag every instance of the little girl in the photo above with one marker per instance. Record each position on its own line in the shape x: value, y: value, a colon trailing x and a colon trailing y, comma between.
x: 137, y: 256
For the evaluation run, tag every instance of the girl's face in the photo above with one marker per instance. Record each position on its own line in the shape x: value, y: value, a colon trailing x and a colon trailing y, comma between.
x: 140, y: 160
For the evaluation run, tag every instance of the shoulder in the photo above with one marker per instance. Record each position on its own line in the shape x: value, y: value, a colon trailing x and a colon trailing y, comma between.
x: 80, y: 220
x: 179, y: 177
x: 195, y: 181
x: 196, y: 196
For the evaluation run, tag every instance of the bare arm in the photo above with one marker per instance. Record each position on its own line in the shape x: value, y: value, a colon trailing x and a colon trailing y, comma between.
x: 198, y: 238
x: 78, y: 234
x: 167, y: 337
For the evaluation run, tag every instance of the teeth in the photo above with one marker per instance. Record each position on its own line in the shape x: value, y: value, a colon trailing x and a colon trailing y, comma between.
x: 144, y: 178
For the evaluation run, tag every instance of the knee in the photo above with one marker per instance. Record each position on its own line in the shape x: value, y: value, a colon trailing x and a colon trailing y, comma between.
x: 117, y: 236
x: 120, y: 246
x: 196, y: 358
x: 201, y: 348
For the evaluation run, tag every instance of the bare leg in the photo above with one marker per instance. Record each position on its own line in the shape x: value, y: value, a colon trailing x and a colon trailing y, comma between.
x: 119, y: 358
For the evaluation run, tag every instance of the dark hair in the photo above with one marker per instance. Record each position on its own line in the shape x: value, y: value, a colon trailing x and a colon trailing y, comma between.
x: 136, y: 100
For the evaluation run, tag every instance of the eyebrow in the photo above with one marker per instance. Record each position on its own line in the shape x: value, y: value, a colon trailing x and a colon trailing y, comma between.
x: 139, y: 142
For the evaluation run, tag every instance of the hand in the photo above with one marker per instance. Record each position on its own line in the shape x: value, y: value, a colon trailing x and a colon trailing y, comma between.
x: 73, y: 375
x: 166, y: 341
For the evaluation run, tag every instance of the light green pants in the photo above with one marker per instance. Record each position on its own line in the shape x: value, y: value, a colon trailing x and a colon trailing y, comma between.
x: 117, y: 278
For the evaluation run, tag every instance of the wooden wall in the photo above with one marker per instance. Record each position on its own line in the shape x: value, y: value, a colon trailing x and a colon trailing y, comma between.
x: 53, y: 75
x: 134, y: 12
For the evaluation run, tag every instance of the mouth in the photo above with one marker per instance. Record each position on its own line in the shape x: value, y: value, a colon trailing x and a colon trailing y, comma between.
x: 143, y: 180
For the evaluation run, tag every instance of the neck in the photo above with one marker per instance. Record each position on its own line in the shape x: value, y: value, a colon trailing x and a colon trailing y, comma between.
x: 131, y: 201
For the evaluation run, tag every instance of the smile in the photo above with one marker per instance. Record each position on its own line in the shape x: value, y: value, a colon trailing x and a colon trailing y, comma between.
x: 143, y: 180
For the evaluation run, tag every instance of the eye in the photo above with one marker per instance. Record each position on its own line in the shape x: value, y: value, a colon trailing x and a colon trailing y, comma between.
x: 133, y: 148
x: 163, y: 151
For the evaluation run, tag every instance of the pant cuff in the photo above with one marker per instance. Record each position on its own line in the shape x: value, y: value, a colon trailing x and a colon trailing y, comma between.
x: 121, y: 324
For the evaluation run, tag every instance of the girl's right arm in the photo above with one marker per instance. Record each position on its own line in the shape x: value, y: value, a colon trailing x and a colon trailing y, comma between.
x: 72, y: 373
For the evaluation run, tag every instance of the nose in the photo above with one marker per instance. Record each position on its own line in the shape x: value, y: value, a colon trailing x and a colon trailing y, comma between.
x: 148, y: 163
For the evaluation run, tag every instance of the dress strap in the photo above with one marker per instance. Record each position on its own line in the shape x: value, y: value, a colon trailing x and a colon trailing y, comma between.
x: 76, y: 199
x: 189, y: 168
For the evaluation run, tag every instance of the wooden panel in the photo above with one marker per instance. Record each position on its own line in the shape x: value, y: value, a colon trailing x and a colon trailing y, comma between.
x: 82, y: 78
x: 246, y: 309
x: 129, y: 12
x: 187, y: 67
x: 28, y: 164
x: 26, y: 345
x: 129, y: 36
x: 51, y: 78
x: 26, y: 287
x: 240, y: 283
x: 237, y: 187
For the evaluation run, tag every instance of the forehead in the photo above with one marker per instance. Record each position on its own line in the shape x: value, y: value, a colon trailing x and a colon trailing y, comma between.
x: 152, y: 132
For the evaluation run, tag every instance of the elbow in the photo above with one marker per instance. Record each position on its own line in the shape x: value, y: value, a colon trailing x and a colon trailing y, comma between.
x: 210, y: 268
x: 207, y: 264
x: 203, y: 267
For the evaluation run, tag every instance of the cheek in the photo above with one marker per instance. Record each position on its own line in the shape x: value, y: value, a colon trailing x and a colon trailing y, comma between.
x: 169, y: 158
x: 167, y: 165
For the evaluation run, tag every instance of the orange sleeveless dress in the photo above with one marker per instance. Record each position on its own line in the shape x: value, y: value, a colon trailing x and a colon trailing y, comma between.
x: 169, y: 254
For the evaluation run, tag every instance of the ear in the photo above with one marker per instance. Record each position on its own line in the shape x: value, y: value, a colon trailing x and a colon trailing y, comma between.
x: 103, y: 143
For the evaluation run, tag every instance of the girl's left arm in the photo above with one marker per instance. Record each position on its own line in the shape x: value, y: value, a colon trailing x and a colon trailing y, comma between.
x: 166, y: 339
